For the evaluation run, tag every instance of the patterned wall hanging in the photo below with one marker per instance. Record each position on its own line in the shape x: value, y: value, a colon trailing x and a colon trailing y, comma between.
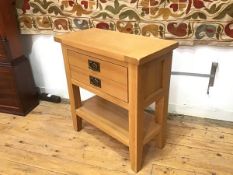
x: 188, y: 21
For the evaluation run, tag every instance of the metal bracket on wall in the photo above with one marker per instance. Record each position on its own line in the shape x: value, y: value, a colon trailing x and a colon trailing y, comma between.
x: 211, y: 76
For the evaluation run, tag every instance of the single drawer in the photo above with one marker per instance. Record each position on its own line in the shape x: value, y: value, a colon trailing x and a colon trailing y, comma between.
x: 101, y: 84
x: 103, y: 69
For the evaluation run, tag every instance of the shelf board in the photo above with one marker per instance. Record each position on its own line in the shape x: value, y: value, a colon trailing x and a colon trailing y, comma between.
x: 113, y: 119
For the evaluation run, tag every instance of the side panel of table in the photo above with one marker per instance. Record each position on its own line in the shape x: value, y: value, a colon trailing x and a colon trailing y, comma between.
x: 148, y: 83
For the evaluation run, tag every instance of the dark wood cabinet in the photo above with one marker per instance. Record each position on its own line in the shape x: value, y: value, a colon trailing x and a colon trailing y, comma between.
x: 18, y: 93
x: 3, y: 55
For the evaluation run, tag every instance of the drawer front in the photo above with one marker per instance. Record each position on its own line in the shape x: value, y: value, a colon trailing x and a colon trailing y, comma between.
x: 99, y: 83
x: 8, y: 95
x: 98, y: 67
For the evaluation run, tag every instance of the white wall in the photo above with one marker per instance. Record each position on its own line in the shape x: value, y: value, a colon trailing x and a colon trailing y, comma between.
x: 187, y: 94
x: 47, y: 65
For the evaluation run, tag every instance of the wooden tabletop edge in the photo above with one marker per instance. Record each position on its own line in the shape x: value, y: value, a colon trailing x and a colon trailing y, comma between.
x: 58, y: 38
x: 126, y: 58
x: 143, y: 60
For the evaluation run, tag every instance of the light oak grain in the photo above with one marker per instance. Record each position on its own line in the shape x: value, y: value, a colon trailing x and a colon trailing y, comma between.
x: 108, y: 70
x: 102, y: 94
x: 108, y: 86
x: 134, y: 72
x: 120, y: 46
x: 136, y: 122
x: 74, y: 93
x: 162, y: 102
x: 113, y: 119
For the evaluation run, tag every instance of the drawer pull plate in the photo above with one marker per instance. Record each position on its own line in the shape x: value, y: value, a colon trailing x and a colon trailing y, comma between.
x: 95, y: 81
x: 93, y: 65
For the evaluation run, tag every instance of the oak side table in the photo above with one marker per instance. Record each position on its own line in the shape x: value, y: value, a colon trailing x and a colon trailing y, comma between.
x: 127, y: 73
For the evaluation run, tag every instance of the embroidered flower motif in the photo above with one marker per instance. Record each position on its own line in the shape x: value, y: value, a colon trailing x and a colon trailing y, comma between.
x: 26, y: 6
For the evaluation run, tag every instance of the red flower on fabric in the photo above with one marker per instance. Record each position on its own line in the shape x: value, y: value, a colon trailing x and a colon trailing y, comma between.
x: 68, y: 3
x: 178, y: 5
x: 26, y: 6
x: 229, y: 29
x: 198, y: 4
x: 71, y: 3
x: 153, y: 3
x: 85, y: 4
x: 103, y: 25
x: 174, y: 7
x: 177, y: 29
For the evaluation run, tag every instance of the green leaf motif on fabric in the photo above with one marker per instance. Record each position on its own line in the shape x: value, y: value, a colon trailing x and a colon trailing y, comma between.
x: 130, y: 14
x: 56, y: 10
x: 102, y: 15
x: 227, y: 11
x: 116, y: 9
x: 112, y: 26
x: 214, y: 8
x: 100, y: 7
x: 189, y: 29
x: 161, y: 31
x: 219, y: 30
x: 197, y: 15
x: 37, y: 8
x: 44, y: 4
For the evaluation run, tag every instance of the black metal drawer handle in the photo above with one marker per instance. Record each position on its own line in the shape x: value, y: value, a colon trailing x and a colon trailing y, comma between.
x: 95, y: 81
x: 93, y: 65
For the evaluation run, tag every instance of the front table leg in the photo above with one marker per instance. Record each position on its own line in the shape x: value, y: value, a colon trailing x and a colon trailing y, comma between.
x: 74, y: 93
x: 136, y: 118
x: 135, y: 139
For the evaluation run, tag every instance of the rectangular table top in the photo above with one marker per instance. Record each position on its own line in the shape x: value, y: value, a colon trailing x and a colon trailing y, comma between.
x: 120, y: 46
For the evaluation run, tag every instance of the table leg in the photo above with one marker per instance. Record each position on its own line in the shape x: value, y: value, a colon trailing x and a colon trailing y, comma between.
x: 161, y: 117
x: 135, y: 139
x: 162, y: 102
x: 75, y: 102
x: 136, y: 117
x: 74, y: 94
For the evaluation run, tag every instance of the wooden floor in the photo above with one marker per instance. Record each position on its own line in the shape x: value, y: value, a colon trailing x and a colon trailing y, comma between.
x: 44, y: 143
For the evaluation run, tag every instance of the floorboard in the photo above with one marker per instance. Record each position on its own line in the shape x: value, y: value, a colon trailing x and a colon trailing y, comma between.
x: 44, y: 143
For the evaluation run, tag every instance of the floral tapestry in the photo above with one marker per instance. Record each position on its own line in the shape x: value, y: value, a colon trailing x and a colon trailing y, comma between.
x: 187, y: 21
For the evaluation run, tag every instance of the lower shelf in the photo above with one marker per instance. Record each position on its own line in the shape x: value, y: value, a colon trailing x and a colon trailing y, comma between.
x: 113, y: 119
